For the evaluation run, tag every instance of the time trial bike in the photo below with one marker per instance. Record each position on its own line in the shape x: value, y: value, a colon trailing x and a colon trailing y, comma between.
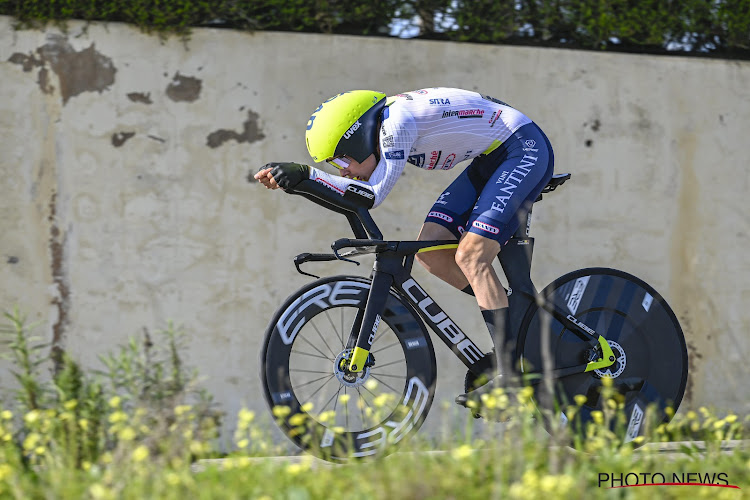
x: 349, y: 370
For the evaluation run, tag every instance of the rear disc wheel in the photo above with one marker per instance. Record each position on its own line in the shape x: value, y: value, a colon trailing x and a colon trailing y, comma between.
x: 649, y: 375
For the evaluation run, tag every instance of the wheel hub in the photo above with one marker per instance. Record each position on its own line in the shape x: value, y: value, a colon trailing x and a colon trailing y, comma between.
x: 347, y: 377
x: 615, y: 369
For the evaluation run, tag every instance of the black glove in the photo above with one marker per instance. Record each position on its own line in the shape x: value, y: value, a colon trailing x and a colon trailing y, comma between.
x: 288, y: 175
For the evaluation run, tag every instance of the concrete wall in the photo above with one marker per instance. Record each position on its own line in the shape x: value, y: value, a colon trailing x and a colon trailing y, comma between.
x: 124, y: 202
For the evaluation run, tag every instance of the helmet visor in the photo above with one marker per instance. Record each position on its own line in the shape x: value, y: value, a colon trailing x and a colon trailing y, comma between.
x: 340, y: 162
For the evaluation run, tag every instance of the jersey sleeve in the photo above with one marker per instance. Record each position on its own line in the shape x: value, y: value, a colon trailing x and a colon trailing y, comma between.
x: 397, y: 134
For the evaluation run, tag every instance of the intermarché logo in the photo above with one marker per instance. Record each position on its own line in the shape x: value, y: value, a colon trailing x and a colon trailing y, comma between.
x: 632, y: 479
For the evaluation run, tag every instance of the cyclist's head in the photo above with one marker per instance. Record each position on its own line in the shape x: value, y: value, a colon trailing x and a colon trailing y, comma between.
x: 345, y: 124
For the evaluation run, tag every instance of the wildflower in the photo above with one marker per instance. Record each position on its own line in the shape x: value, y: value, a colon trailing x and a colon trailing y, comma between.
x: 115, y: 402
x: 307, y: 407
x: 182, y: 409
x: 379, y: 401
x: 462, y: 452
x: 31, y: 441
x: 246, y: 416
x: 244, y: 443
x: 281, y: 411
x: 297, y: 419
x: 70, y: 405
x: 98, y: 491
x: 32, y: 417
x: 6, y: 415
x: 126, y: 434
x: 597, y: 416
x: 580, y: 399
x: 140, y: 454
x: 118, y: 416
x: 344, y: 398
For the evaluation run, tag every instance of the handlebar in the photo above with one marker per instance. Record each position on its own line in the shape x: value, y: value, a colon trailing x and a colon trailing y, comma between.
x: 359, y: 218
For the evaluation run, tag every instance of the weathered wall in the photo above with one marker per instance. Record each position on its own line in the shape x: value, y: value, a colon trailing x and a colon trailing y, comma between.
x: 124, y: 202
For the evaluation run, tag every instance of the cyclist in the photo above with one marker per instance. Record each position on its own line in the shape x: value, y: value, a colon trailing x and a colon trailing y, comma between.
x: 370, y: 138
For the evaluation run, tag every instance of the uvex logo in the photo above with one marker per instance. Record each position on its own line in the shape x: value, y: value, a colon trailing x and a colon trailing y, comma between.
x: 351, y: 130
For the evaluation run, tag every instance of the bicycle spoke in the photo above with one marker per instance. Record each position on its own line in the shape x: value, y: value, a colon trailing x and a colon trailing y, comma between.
x: 312, y: 355
x: 392, y: 376
x: 316, y: 380
x: 346, y: 409
x: 386, y: 347
x: 321, y: 337
x: 381, y: 334
x: 341, y: 336
x: 299, y: 370
x: 388, y: 364
x: 388, y: 386
x: 319, y: 388
x: 313, y: 346
x: 329, y: 401
x: 361, y: 408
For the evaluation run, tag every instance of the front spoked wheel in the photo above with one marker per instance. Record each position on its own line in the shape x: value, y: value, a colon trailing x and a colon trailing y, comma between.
x: 645, y: 384
x: 320, y: 405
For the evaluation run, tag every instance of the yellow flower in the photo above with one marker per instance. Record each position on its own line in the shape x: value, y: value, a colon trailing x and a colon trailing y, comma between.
x: 580, y: 399
x: 182, y: 409
x: 379, y: 401
x: 297, y: 419
x: 462, y: 451
x: 244, y: 443
x: 118, y: 416
x: 246, y: 415
x: 307, y: 407
x: 115, y: 402
x: 31, y: 441
x: 32, y: 416
x: 597, y: 416
x: 281, y: 411
x: 83, y: 423
x: 127, y: 434
x: 70, y: 405
x: 344, y: 398
x: 98, y: 491
x: 5, y: 471
x: 140, y: 454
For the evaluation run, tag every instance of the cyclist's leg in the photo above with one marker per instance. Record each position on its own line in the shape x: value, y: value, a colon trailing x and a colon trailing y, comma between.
x: 525, y: 167
x: 441, y: 263
x: 445, y: 221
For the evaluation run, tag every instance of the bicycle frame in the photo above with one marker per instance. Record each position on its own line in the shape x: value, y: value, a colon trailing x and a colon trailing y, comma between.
x: 392, y: 269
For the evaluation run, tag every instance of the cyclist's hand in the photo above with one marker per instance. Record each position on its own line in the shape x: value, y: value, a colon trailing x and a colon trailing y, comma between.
x: 283, y: 175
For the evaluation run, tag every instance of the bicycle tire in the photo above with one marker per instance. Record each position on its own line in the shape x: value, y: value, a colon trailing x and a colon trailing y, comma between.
x: 335, y: 300
x: 652, y: 363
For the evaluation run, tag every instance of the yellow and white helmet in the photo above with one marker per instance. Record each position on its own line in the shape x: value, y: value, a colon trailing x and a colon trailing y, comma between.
x: 345, y: 124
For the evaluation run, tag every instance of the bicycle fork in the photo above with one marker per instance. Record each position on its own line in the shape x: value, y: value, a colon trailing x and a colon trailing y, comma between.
x: 366, y: 324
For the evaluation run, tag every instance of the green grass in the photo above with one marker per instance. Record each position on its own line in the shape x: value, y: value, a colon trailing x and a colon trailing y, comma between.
x: 140, y: 429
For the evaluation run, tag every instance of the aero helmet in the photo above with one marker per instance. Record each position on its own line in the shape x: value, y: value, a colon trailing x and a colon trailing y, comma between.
x: 345, y: 124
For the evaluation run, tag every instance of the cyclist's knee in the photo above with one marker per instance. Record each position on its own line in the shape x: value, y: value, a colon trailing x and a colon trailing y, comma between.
x: 475, y: 254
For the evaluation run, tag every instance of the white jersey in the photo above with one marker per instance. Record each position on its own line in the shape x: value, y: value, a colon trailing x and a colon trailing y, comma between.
x: 433, y: 128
